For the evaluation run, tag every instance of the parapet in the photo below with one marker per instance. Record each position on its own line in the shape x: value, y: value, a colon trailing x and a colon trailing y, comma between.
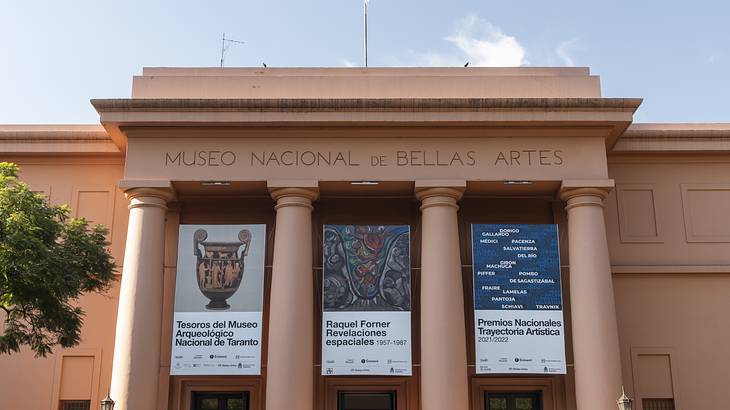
x: 318, y: 83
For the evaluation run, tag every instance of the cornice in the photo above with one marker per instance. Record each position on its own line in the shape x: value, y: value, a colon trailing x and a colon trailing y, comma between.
x: 607, y: 117
x: 56, y: 140
x: 364, y: 104
x: 674, y: 138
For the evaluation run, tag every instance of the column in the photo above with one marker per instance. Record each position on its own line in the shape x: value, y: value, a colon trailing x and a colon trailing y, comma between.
x: 444, y: 380
x: 290, y: 371
x: 136, y: 362
x: 596, y: 348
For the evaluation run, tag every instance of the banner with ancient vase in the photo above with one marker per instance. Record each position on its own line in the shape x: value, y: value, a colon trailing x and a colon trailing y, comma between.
x: 518, y: 301
x: 366, y: 300
x: 217, y: 320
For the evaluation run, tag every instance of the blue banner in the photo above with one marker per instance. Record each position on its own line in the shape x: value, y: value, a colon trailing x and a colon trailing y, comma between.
x: 518, y: 304
x: 518, y: 316
x: 516, y: 267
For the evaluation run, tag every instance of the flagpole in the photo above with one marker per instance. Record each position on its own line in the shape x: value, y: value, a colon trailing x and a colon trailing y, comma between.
x: 366, y: 32
x: 223, y: 47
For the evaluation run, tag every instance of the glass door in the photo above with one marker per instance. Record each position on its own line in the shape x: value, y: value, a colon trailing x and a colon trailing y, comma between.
x: 220, y: 401
x: 513, y: 401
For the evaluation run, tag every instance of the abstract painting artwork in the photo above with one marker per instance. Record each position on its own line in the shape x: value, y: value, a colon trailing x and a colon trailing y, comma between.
x: 367, y: 268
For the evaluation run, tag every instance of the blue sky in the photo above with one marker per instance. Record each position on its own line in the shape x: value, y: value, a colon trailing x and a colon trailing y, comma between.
x: 56, y: 55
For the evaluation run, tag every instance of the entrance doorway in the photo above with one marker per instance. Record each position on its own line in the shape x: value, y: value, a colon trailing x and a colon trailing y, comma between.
x: 220, y: 401
x: 513, y: 401
x: 363, y: 400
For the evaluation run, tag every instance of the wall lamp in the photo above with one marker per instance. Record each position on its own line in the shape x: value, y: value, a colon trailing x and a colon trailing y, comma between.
x: 517, y: 182
x: 624, y: 402
x: 107, y: 403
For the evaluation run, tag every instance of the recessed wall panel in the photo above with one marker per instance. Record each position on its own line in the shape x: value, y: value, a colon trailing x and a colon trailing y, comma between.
x: 95, y: 203
x: 706, y: 212
x: 637, y: 213
x: 77, y: 375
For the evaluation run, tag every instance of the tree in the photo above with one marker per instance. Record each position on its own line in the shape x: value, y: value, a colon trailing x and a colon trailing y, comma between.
x: 47, y: 261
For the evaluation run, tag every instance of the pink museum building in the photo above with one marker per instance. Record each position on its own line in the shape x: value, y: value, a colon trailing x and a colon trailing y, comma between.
x: 640, y: 215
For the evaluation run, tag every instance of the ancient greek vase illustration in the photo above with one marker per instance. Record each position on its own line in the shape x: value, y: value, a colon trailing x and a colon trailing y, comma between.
x: 219, y: 267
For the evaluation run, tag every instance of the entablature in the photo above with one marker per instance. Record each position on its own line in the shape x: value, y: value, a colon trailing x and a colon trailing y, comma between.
x: 608, y: 117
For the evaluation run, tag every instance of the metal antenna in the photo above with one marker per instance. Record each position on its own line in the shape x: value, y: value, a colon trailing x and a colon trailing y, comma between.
x: 366, y: 32
x: 225, y: 44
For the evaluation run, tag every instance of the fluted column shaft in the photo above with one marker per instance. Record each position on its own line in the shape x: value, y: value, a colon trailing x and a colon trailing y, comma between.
x: 136, y: 361
x: 290, y: 374
x: 444, y: 381
x: 596, y: 348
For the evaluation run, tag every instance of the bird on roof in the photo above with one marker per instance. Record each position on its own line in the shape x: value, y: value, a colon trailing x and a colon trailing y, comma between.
x: 265, y: 65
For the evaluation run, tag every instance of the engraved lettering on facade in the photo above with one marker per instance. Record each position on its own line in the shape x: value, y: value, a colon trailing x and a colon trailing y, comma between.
x: 529, y: 157
x: 200, y: 158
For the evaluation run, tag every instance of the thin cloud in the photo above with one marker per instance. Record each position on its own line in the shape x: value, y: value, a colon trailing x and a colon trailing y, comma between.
x: 564, y: 51
x: 485, y: 44
x: 480, y: 43
x: 433, y: 59
x: 712, y: 58
x: 347, y: 63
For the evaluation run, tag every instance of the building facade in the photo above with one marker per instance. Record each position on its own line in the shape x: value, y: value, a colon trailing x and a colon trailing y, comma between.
x: 641, y: 211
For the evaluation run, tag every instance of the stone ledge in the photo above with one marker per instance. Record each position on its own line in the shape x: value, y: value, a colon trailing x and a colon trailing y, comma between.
x: 365, y: 104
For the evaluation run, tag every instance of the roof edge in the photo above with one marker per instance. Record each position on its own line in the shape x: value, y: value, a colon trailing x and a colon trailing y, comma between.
x: 56, y: 140
x: 364, y: 104
x: 673, y: 138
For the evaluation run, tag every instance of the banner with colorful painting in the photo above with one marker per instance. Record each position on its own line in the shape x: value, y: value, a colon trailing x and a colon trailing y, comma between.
x: 216, y: 327
x: 366, y: 300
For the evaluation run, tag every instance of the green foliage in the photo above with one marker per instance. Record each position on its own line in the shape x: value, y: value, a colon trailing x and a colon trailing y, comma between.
x: 47, y: 260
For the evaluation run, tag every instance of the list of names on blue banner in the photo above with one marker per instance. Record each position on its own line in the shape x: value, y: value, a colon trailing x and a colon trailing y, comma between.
x: 516, y: 267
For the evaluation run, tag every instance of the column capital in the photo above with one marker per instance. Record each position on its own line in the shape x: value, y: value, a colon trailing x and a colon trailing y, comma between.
x: 439, y: 196
x: 585, y: 192
x: 149, y: 197
x: 294, y: 196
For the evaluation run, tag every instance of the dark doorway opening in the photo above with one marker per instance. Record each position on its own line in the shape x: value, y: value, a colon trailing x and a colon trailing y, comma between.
x: 220, y: 401
x: 513, y: 401
x: 363, y: 400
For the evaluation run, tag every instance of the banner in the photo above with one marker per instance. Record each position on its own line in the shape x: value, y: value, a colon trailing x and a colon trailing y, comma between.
x: 518, y: 303
x: 366, y: 300
x: 216, y: 327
